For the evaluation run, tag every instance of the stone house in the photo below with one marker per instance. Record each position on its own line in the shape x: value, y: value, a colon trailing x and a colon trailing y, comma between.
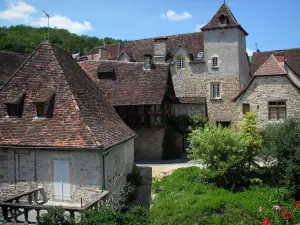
x: 57, y: 130
x: 273, y: 92
x: 207, y: 70
x: 141, y: 94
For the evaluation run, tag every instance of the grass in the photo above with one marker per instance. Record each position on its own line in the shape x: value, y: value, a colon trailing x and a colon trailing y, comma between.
x: 185, y: 198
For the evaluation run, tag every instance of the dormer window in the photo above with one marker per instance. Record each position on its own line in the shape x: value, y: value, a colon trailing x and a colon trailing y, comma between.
x: 44, y: 103
x: 14, y: 104
x: 223, y: 20
x: 147, y: 62
x: 13, y: 110
x: 180, y: 63
x: 215, y: 62
x: 41, y: 110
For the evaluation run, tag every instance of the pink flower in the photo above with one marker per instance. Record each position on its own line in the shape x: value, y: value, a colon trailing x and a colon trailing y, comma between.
x: 277, y: 207
x: 260, y: 209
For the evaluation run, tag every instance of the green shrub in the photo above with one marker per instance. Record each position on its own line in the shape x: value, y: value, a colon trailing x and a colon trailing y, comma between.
x: 251, y: 138
x: 134, y: 216
x: 282, y: 144
x: 221, y: 150
x: 55, y: 216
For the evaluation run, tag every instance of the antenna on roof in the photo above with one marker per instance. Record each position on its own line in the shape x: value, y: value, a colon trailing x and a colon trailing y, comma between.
x: 256, y: 47
x: 48, y: 25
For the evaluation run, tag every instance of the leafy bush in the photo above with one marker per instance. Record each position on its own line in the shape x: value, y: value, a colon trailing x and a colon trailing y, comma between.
x: 135, y: 216
x: 251, y: 138
x: 282, y: 144
x: 185, y: 199
x: 221, y: 150
x: 55, y: 216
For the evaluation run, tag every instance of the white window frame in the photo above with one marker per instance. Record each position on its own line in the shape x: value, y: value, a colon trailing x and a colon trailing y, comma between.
x: 181, y: 63
x: 199, y: 54
x: 215, y: 89
x: 212, y: 62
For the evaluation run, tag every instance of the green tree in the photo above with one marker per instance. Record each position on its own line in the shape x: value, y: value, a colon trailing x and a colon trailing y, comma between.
x: 251, y: 138
x: 221, y: 150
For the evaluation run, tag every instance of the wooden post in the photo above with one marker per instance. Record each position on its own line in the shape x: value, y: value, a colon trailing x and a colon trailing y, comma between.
x: 72, y: 214
x: 5, y: 212
x: 38, y: 215
x: 26, y: 215
x: 30, y: 198
x: 43, y: 194
x: 35, y: 196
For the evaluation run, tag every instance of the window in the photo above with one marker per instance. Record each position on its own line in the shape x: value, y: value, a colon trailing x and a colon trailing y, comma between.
x: 223, y: 20
x: 13, y: 110
x: 246, y: 108
x: 180, y: 64
x: 199, y: 54
x: 215, y: 62
x: 215, y: 90
x: 41, y: 110
x: 277, y: 110
x: 222, y: 35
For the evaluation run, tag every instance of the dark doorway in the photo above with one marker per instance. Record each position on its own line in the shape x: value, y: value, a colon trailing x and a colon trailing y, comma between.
x: 224, y: 123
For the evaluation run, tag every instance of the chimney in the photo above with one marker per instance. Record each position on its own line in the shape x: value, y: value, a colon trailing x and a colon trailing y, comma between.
x: 103, y: 52
x: 160, y: 49
x: 147, y: 62
x: 280, y: 56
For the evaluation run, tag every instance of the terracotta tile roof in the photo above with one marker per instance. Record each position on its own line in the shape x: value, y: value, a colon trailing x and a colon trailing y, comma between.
x: 214, y: 23
x: 132, y: 84
x: 291, y: 57
x: 270, y: 67
x: 9, y: 63
x: 193, y: 42
x: 113, y: 49
x: 82, y: 117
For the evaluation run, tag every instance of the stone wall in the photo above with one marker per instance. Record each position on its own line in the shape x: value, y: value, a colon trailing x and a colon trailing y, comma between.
x: 86, y: 170
x: 270, y: 88
x: 198, y: 85
x: 148, y: 144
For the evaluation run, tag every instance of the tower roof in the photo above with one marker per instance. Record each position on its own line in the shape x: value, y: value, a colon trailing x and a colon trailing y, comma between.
x: 270, y: 67
x: 223, y: 19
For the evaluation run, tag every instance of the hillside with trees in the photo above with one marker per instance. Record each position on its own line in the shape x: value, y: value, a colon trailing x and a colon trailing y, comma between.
x: 24, y: 39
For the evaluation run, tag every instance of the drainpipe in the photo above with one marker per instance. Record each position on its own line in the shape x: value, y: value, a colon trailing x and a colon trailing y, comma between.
x: 103, y: 170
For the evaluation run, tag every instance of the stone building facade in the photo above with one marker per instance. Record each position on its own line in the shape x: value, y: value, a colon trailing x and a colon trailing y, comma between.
x: 56, y: 134
x: 90, y: 170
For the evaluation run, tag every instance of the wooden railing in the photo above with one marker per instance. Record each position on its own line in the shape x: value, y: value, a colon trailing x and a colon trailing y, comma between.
x: 12, y: 210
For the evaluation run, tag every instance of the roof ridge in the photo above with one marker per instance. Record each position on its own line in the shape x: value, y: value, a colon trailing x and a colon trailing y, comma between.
x: 277, y: 50
x: 23, y: 64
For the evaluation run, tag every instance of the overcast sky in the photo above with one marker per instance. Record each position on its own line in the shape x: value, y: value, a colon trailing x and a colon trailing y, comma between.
x: 273, y: 24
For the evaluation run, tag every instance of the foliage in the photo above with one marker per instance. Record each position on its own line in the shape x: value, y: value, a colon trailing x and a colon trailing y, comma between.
x: 251, y: 138
x: 135, y: 216
x: 221, y: 150
x: 176, y: 126
x: 55, y: 216
x: 105, y: 215
x: 282, y: 145
x: 286, y: 213
x: 134, y: 179
x: 24, y: 39
x: 185, y: 198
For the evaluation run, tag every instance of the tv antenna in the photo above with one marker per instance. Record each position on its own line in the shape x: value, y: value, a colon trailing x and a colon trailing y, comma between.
x: 48, y: 24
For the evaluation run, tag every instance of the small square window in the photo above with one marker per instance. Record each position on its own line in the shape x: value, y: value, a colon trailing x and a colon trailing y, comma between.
x: 246, y: 108
x: 199, y: 54
x: 41, y: 110
x: 215, y: 90
x: 215, y: 62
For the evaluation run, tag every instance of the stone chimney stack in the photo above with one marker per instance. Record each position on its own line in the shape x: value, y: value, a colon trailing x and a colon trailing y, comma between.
x: 103, y: 52
x: 160, y: 49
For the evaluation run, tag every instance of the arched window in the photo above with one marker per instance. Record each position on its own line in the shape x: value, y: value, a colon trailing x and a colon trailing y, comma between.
x: 181, y: 64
